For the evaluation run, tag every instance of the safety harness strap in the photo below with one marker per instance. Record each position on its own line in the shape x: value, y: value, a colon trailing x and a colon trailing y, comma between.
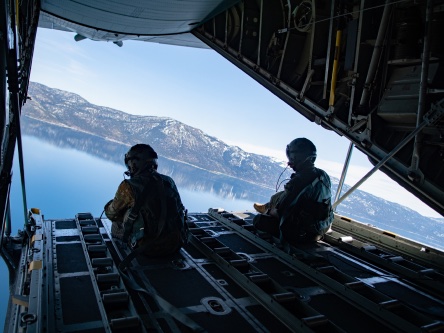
x: 135, y: 210
x: 295, y: 200
x: 163, y: 304
x: 124, y: 264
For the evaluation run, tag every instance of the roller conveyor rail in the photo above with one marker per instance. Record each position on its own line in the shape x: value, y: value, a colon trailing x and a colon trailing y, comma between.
x: 71, y: 283
x: 370, y: 294
x: 113, y: 299
x: 228, y: 277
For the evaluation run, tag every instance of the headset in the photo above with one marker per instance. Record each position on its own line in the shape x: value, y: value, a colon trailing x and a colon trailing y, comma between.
x: 291, y: 161
x: 150, y: 165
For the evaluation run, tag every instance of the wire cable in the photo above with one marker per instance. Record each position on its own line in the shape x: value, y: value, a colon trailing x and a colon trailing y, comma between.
x: 346, y: 14
x: 277, y: 182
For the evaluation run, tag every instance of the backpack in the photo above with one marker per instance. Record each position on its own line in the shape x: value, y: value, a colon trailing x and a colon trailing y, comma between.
x: 169, y: 219
x: 310, y: 213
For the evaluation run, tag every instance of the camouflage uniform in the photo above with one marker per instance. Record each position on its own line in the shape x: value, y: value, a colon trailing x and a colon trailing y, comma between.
x: 162, y: 241
x: 287, y: 225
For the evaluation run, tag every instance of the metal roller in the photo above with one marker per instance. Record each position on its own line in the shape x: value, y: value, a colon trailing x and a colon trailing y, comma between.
x: 90, y: 230
x: 109, y: 278
x: 284, y: 297
x: 316, y: 321
x: 87, y: 222
x: 240, y: 264
x: 124, y: 324
x: 93, y: 238
x: 222, y: 250
x: 101, y: 262
x: 115, y: 299
x: 97, y: 250
x: 259, y: 278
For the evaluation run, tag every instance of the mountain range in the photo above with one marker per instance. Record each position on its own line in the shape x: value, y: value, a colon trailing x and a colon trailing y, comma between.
x: 194, y: 159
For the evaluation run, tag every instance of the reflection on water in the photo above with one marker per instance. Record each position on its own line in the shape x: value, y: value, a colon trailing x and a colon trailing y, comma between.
x: 190, y: 169
x: 63, y: 182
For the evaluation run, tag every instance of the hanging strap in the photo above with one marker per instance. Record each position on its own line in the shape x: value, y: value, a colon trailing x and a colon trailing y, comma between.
x: 163, y: 304
x: 124, y: 264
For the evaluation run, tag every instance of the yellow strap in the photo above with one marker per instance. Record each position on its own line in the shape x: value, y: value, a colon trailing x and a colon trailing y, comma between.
x: 20, y: 300
x: 35, y: 210
x: 35, y: 238
x: 35, y: 265
x: 334, y: 73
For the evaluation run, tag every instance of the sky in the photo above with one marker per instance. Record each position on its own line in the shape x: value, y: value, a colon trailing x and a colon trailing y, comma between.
x: 202, y: 89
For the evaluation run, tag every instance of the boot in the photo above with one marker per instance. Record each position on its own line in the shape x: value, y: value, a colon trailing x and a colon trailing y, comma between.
x: 261, y: 208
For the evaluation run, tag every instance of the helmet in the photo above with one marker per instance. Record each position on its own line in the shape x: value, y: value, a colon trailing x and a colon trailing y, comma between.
x: 139, y: 158
x: 300, y: 151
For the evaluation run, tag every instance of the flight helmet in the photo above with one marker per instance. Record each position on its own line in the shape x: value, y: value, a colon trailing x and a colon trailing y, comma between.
x: 139, y: 158
x: 299, y: 152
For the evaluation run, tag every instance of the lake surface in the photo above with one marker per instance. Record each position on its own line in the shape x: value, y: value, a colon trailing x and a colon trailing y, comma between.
x: 63, y: 182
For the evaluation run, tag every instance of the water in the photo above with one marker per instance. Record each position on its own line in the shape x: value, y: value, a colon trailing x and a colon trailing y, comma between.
x: 63, y: 182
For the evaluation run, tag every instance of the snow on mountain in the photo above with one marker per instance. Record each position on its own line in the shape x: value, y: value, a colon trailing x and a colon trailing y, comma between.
x: 192, y: 157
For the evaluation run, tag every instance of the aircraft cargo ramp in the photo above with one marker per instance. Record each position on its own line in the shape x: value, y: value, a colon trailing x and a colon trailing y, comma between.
x: 228, y: 278
x: 370, y: 71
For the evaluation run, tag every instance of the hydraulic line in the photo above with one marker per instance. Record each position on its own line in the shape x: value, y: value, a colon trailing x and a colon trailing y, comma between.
x: 6, y: 220
x: 9, y: 137
x: 327, y: 64
x: 376, y: 54
x: 423, y: 85
x: 22, y: 171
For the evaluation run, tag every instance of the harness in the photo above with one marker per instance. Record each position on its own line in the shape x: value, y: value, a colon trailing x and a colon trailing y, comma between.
x: 321, y: 225
x: 125, y: 263
x: 134, y: 214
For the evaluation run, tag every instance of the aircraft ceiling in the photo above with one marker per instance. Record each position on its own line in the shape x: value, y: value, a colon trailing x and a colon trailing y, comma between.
x: 352, y: 66
x: 166, y: 22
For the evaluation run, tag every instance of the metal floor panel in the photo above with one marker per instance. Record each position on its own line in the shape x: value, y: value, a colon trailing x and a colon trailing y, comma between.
x: 195, y: 286
x: 183, y: 288
x: 70, y: 258
x: 282, y: 273
x: 227, y: 278
x: 343, y: 278
x: 409, y: 295
x: 231, y: 322
x: 267, y: 319
x: 224, y: 280
x: 78, y: 300
x: 346, y: 315
x: 239, y: 244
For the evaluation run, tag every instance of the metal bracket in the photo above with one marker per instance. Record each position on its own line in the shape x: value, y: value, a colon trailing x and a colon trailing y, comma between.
x: 358, y: 125
x: 436, y: 112
x: 306, y: 85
